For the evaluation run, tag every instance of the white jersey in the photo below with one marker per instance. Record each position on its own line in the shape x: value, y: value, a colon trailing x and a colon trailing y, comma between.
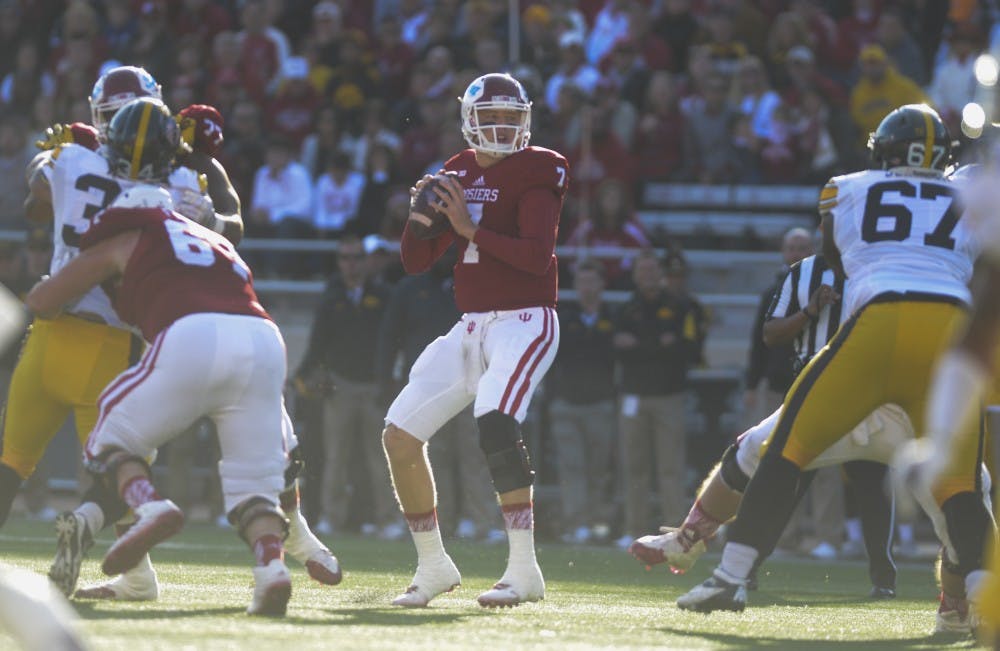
x: 980, y: 189
x: 899, y: 232
x: 82, y: 185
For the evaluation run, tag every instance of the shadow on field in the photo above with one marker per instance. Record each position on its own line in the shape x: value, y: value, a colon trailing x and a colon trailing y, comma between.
x: 89, y: 610
x: 385, y: 617
x: 730, y: 642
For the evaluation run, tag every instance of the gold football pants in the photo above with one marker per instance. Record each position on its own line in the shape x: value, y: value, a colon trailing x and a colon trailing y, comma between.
x: 64, y: 365
x: 884, y: 354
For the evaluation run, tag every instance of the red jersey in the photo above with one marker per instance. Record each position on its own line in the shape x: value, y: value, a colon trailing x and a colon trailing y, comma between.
x: 511, y: 264
x: 177, y: 268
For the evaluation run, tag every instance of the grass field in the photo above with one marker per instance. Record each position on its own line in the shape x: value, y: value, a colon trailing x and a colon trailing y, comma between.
x: 597, y: 598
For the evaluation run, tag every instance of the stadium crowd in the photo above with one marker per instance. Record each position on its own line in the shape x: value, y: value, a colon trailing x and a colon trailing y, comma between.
x: 332, y: 109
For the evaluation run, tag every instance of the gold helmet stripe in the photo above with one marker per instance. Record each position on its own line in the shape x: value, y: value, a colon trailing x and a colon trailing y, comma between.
x: 928, y: 139
x: 140, y: 139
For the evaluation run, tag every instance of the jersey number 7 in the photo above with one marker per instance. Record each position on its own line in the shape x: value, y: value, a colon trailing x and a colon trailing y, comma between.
x: 902, y: 218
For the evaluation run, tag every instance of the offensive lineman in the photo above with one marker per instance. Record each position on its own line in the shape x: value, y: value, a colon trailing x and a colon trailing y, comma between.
x: 504, y: 210
x: 897, y: 236
x: 192, y: 296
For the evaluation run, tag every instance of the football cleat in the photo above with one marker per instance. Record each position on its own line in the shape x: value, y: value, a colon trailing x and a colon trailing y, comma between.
x: 952, y: 616
x: 429, y: 582
x: 138, y: 584
x: 155, y: 522
x: 514, y: 588
x: 272, y: 589
x: 715, y: 594
x: 673, y: 546
x: 306, y: 548
x: 882, y: 592
x: 73, y: 539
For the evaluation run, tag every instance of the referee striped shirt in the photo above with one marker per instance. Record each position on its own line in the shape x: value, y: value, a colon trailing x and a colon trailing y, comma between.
x: 804, y: 278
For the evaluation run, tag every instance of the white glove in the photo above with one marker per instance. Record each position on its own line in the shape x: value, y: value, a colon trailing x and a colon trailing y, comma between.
x: 195, y: 206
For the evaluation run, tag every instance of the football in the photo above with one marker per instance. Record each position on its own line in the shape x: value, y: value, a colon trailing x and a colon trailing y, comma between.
x: 426, y: 221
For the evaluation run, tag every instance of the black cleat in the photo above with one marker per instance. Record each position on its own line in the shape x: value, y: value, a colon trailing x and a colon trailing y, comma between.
x: 882, y: 592
x: 714, y: 594
x: 73, y: 539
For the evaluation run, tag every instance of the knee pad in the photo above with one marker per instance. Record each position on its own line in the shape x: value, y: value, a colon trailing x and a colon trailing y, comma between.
x: 10, y: 483
x: 730, y: 472
x: 296, y: 464
x: 506, y: 454
x: 251, y: 509
x: 968, y: 525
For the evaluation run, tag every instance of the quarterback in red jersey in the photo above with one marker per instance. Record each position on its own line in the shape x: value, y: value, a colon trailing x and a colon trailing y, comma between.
x: 503, y: 204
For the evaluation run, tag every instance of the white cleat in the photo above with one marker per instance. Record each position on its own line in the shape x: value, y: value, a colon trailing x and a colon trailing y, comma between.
x: 672, y: 546
x: 953, y: 617
x: 155, y: 522
x: 138, y: 584
x: 272, y: 590
x: 306, y: 548
x: 515, y: 587
x: 430, y: 581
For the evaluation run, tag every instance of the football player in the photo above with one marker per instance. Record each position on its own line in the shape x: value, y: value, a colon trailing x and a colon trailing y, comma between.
x: 70, y: 184
x: 503, y: 205
x: 895, y: 233
x: 211, y: 344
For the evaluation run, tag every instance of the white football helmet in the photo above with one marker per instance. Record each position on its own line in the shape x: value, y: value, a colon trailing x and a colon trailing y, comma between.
x: 496, y: 91
x: 116, y: 88
x: 144, y: 196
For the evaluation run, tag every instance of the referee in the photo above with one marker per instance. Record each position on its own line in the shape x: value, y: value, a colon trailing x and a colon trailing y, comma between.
x: 806, y: 311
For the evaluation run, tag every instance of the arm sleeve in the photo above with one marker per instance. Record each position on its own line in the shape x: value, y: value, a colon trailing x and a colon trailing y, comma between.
x: 418, y: 255
x: 781, y: 301
x: 538, y: 222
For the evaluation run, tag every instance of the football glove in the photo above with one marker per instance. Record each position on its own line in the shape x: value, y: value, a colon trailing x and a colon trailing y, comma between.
x: 201, y: 128
x: 64, y: 134
x: 195, y: 206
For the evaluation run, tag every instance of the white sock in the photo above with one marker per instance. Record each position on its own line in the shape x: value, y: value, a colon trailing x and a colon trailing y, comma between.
x: 92, y: 515
x: 853, y: 526
x: 429, y: 546
x: 522, y: 547
x: 737, y: 561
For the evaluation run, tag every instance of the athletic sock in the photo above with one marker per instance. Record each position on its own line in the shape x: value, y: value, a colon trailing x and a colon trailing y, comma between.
x: 737, y: 561
x: 520, y: 523
x: 268, y: 548
x: 426, y: 535
x: 138, y: 491
x: 92, y: 515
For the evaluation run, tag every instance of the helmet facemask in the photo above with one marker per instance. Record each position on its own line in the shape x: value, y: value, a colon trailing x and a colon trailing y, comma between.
x: 494, y: 137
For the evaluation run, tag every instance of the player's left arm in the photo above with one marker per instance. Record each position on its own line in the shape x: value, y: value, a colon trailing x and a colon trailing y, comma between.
x: 226, y: 217
x: 91, y: 267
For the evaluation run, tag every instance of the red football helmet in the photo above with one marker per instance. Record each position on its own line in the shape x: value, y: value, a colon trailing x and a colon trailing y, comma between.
x: 496, y: 92
x: 117, y: 87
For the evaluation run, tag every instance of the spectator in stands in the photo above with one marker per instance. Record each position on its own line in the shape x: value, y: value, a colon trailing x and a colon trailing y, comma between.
x: 856, y: 31
x: 662, y: 139
x: 27, y: 81
x: 353, y: 82
x: 770, y: 370
x: 337, y: 197
x: 320, y: 145
x: 715, y: 160
x: 397, y: 210
x: 954, y: 79
x: 14, y: 158
x: 612, y: 224
x: 620, y: 116
x: 788, y: 31
x: 282, y: 203
x: 152, y: 47
x: 821, y: 26
x: 420, y: 308
x: 11, y: 33
x: 539, y: 41
x: 879, y: 90
x: 900, y: 46
x: 202, y: 18
x: 291, y: 113
x: 394, y: 59
x: 414, y: 15
x: 678, y: 27
x: 420, y: 141
x: 573, y: 68
x: 657, y: 339
x: 600, y: 153
x: 802, y: 76
x: 119, y: 29
x: 243, y: 149
x: 260, y: 53
x: 339, y: 363
x: 629, y: 72
x: 753, y: 94
x: 724, y: 49
x: 610, y: 25
x: 582, y: 407
x: 327, y: 31
x: 818, y: 156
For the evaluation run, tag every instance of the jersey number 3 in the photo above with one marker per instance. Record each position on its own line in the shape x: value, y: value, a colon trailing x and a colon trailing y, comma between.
x: 877, y: 210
